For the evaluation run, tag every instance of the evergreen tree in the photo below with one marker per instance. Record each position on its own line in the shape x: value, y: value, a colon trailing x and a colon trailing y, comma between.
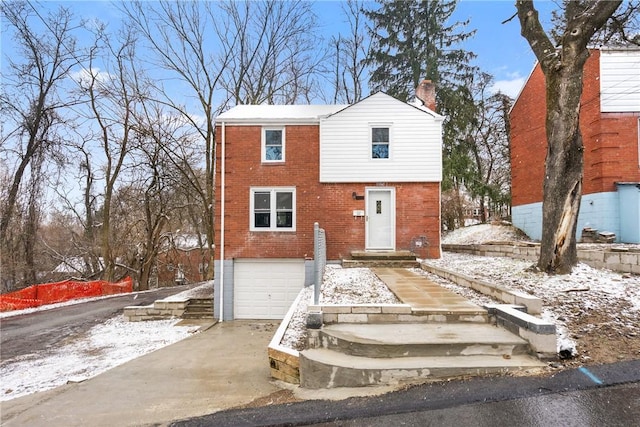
x: 413, y: 41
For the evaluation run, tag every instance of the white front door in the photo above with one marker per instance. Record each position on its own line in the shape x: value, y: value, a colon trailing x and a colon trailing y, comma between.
x: 381, y: 219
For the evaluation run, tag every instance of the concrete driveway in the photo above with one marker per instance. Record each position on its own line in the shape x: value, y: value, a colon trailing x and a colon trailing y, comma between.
x: 220, y: 368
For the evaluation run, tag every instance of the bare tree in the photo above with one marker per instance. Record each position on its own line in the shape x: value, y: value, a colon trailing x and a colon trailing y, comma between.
x: 57, y: 242
x: 160, y: 199
x: 350, y: 55
x: 30, y: 101
x: 563, y: 67
x: 271, y: 48
x: 179, y: 34
x: 489, y: 146
x: 112, y: 96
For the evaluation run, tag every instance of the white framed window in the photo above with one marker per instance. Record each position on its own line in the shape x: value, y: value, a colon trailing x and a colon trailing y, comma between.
x: 273, y: 144
x: 272, y: 209
x: 380, y: 136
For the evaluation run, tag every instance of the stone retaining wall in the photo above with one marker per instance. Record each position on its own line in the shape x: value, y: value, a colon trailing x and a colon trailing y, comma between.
x: 497, y: 292
x: 622, y: 260
x: 388, y: 313
x: 159, y: 310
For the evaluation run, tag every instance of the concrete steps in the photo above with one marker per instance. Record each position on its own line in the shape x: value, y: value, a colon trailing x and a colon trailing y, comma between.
x: 322, y: 368
x: 356, y: 355
x: 391, y: 259
x: 418, y: 340
x: 199, y: 308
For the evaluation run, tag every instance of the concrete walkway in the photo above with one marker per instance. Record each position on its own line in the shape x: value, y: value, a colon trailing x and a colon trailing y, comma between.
x: 220, y: 368
x: 423, y: 295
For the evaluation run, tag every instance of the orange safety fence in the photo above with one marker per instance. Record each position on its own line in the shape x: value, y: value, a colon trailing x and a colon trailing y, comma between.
x: 49, y: 293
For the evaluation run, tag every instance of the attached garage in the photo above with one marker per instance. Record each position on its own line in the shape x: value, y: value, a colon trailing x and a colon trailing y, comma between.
x: 266, y: 288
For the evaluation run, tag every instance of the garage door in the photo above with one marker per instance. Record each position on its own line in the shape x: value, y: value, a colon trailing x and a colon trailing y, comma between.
x: 266, y: 288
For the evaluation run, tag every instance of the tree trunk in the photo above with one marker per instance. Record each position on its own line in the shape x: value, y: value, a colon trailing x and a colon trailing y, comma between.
x: 563, y: 68
x: 562, y: 186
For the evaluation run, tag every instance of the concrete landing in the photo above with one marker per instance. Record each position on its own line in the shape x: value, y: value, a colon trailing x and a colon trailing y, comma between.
x: 415, y: 334
x: 425, y: 296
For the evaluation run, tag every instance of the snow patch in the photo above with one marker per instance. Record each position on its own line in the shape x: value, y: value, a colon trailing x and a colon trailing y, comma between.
x: 104, y: 347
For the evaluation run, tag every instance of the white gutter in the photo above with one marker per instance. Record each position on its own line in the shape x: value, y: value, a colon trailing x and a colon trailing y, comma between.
x: 221, y: 195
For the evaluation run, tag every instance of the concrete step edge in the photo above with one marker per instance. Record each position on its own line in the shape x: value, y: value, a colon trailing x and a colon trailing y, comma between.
x: 321, y: 368
x: 332, y: 358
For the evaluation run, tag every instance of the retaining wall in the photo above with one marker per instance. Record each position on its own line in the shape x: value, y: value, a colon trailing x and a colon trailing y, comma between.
x: 387, y: 313
x: 284, y: 362
x: 622, y: 260
x: 159, y: 310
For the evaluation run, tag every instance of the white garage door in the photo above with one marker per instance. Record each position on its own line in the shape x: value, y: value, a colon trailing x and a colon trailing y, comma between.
x: 266, y: 288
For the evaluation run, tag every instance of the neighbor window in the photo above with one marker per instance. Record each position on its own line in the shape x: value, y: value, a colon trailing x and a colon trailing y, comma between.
x: 273, y: 144
x: 273, y: 209
x: 380, y: 142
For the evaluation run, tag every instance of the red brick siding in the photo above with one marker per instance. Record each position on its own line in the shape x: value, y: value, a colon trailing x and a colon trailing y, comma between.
x: 610, y: 139
x: 190, y: 261
x: 528, y: 141
x: 331, y: 205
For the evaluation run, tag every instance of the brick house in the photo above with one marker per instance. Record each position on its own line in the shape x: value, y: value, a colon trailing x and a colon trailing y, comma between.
x: 610, y: 125
x: 368, y: 173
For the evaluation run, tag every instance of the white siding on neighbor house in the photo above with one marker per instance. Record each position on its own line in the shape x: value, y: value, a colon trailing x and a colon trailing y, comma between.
x: 415, y: 149
x: 619, y: 81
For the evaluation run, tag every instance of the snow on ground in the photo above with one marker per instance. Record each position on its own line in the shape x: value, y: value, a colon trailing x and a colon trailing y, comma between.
x: 104, y: 347
x: 354, y: 286
x: 565, y: 298
x: 596, y: 311
x: 482, y: 233
x: 203, y: 291
x: 340, y: 286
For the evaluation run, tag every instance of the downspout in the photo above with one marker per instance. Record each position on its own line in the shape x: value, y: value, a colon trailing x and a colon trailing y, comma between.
x: 222, y: 184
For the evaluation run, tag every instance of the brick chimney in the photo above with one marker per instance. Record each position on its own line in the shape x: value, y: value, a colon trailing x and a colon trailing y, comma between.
x: 426, y: 92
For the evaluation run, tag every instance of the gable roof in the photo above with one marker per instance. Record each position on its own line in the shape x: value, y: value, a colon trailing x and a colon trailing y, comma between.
x: 277, y: 113
x: 417, y: 104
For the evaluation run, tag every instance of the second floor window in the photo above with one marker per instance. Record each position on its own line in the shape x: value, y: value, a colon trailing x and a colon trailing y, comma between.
x: 273, y: 145
x: 380, y: 142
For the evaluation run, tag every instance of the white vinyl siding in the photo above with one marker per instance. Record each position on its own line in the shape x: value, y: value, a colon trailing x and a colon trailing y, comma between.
x: 415, y: 147
x: 619, y: 81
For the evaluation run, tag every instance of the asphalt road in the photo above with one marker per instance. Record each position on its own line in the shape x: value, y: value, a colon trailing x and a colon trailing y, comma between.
x: 47, y: 329
x: 606, y: 395
x: 610, y: 406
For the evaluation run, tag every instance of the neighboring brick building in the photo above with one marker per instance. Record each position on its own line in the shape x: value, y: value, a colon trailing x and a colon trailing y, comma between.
x: 610, y: 125
x: 368, y: 173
